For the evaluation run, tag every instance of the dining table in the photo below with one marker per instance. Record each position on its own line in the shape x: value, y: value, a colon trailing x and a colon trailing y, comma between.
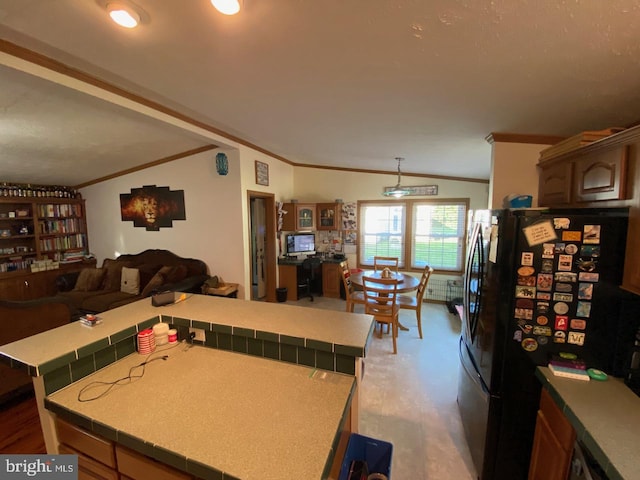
x: 406, y: 283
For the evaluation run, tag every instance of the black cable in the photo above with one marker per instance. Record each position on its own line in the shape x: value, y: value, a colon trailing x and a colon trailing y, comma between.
x: 121, y: 381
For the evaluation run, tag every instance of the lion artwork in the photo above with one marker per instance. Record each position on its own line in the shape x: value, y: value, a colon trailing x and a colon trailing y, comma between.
x: 152, y: 207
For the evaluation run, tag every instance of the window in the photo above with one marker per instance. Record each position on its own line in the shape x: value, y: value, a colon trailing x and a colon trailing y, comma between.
x: 418, y: 232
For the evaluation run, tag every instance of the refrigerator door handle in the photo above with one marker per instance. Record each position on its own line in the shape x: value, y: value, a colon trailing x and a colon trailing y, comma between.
x: 471, y: 374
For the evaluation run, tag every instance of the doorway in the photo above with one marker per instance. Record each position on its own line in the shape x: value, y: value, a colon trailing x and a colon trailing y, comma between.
x: 262, y: 238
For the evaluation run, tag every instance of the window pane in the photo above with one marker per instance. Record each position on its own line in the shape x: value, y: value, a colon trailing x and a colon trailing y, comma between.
x: 382, y: 232
x: 438, y: 238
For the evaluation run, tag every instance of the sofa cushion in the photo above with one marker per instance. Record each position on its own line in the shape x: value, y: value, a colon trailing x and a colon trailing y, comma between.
x: 174, y: 274
x: 106, y: 301
x: 147, y: 271
x: 156, y: 281
x: 113, y: 275
x: 90, y: 279
x: 130, y: 281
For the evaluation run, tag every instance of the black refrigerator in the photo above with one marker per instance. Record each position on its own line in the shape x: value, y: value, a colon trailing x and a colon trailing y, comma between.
x: 537, y: 282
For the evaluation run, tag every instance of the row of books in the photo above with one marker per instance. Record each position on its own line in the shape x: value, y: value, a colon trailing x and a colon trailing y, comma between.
x: 60, y: 210
x: 68, y: 225
x: 77, y: 240
x: 570, y: 368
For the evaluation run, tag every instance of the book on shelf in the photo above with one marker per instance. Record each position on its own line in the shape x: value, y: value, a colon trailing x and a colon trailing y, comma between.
x: 568, y: 363
x: 575, y: 373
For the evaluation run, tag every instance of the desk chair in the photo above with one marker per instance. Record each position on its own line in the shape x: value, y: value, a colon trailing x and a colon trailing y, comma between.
x: 352, y: 295
x: 410, y: 302
x: 309, y: 266
x: 379, y: 263
x: 381, y: 296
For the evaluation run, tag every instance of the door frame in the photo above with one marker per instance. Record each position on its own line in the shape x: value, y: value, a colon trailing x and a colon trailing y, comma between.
x: 270, y: 260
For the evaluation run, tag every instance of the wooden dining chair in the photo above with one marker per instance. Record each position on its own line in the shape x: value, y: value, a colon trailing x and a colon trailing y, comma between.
x: 379, y: 263
x: 352, y: 295
x: 414, y: 302
x: 381, y: 295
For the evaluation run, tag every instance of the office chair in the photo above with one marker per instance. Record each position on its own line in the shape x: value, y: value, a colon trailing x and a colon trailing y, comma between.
x: 309, y: 266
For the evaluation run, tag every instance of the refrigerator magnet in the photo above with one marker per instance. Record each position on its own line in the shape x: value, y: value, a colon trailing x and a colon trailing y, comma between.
x: 565, y: 263
x: 576, y: 338
x: 559, y: 337
x: 571, y: 236
x: 530, y: 344
x: 591, y: 234
x: 561, y: 223
x: 542, y: 320
x: 543, y: 340
x: 583, y: 309
x: 562, y: 322
x: 571, y: 249
x: 577, y: 324
x: 527, y: 259
x: 588, y: 277
x: 526, y: 271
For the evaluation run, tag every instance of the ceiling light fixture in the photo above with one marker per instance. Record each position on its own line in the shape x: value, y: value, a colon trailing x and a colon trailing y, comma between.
x: 123, y: 15
x: 228, y: 7
x: 397, y: 191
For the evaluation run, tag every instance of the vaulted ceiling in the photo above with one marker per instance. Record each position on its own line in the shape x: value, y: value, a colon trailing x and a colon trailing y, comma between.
x: 348, y: 84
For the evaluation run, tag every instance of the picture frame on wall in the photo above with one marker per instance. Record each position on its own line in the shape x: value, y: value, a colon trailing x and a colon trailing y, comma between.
x: 262, y: 173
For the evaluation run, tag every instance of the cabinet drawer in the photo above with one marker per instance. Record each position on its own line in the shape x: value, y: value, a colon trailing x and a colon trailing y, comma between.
x: 559, y: 424
x: 86, y: 442
x: 140, y: 467
x: 88, y: 468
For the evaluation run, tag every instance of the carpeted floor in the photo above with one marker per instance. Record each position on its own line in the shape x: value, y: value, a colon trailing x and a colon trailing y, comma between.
x: 409, y: 399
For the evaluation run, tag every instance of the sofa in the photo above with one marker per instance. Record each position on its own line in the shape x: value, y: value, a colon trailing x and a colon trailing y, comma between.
x: 22, y: 319
x: 130, y: 277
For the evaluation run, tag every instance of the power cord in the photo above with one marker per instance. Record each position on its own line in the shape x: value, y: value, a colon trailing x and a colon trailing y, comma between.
x: 121, y: 381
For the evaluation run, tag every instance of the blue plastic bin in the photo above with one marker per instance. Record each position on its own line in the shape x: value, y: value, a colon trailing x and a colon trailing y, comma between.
x: 376, y: 453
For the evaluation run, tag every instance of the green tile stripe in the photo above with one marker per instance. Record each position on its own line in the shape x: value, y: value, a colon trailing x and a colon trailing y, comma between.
x: 336, y: 439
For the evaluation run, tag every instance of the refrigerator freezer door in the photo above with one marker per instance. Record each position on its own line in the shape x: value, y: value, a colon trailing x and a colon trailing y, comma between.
x: 473, y: 403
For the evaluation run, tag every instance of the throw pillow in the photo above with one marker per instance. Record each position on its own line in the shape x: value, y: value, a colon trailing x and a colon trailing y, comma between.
x: 156, y: 281
x: 113, y: 277
x: 176, y: 274
x: 90, y: 279
x: 130, y: 281
x: 147, y: 271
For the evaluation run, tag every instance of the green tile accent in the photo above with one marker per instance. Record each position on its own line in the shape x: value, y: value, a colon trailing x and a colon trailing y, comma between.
x: 166, y: 318
x: 105, y: 357
x: 56, y: 363
x: 148, y: 323
x: 206, y: 326
x: 77, y: 419
x: 349, y: 350
x: 325, y: 360
x: 271, y: 337
x: 57, y: 379
x: 183, y: 322
x: 125, y: 347
x: 211, y: 339
x: 345, y: 364
x: 288, y: 353
x: 271, y: 350
x: 204, y: 472
x: 612, y: 473
x: 135, y: 443
x: 104, y: 431
x: 306, y: 356
x: 288, y: 340
x: 595, y: 450
x: 199, y: 342
x: 122, y: 334
x: 239, y: 344
x: 81, y: 368
x: 244, y: 332
x: 33, y: 371
x: 318, y: 345
x: 224, y: 341
x: 170, y: 458
x: 226, y: 329
x: 255, y: 347
x: 93, y: 347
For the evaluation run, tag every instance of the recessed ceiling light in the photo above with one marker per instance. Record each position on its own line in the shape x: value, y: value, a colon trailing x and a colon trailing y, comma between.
x: 123, y: 15
x: 228, y: 7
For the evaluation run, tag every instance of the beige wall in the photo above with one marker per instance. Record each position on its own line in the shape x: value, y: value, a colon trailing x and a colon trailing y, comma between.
x: 513, y: 170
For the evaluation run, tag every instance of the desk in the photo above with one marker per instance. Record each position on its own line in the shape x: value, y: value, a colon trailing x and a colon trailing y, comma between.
x: 407, y: 283
x: 330, y: 277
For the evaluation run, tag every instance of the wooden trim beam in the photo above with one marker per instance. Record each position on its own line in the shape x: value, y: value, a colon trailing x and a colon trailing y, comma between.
x: 523, y: 138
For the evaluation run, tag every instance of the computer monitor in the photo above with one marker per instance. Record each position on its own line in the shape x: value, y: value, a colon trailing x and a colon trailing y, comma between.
x: 301, y: 243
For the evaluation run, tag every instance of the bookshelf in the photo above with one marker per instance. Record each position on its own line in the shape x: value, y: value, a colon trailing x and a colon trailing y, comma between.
x: 37, y: 235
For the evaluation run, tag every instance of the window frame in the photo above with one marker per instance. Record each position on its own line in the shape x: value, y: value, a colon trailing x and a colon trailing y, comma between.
x: 408, y: 229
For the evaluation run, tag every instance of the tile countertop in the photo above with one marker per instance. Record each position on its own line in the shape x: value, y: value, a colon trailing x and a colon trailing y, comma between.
x: 338, y: 328
x: 250, y: 417
x: 605, y: 415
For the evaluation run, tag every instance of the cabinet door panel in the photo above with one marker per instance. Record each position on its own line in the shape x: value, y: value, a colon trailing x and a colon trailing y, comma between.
x: 631, y: 279
x: 601, y: 176
x: 554, y: 186
x: 548, y: 460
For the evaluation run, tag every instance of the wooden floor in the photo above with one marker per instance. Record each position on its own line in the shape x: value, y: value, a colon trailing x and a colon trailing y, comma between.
x: 20, y: 432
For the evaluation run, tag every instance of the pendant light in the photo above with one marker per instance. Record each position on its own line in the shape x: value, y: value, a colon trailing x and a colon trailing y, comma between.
x: 397, y: 191
x: 228, y: 7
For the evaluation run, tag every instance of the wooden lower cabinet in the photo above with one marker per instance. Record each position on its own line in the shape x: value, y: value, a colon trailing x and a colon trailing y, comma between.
x: 331, y: 280
x: 553, y: 442
x: 102, y: 459
x: 29, y: 286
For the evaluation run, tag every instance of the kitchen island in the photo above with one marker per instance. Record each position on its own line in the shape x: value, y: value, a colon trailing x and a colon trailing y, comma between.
x: 605, y: 416
x: 275, y: 334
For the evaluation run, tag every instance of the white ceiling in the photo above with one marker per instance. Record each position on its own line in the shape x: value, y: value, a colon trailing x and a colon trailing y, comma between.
x: 342, y: 83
